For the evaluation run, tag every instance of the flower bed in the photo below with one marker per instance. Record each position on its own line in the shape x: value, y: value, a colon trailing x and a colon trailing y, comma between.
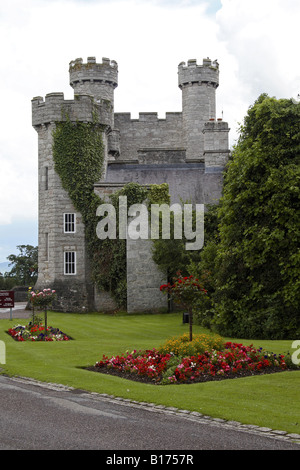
x: 37, y: 333
x: 234, y: 360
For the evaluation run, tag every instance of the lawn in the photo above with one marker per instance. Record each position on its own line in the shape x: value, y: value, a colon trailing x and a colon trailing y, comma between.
x: 270, y: 400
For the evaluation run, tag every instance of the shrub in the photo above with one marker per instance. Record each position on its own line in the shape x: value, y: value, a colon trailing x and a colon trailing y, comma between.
x: 182, y: 346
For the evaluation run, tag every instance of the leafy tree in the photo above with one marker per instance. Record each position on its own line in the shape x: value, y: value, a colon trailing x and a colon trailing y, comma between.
x: 171, y: 256
x: 7, y: 281
x: 25, y: 264
x: 257, y: 262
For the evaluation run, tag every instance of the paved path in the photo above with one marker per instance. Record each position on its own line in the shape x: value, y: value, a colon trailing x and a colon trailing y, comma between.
x: 35, y: 415
x: 19, y: 311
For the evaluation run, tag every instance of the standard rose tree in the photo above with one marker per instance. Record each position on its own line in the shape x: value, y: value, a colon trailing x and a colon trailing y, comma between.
x: 185, y: 291
x: 41, y: 300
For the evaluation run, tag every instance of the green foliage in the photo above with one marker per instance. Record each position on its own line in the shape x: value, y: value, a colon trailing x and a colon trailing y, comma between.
x: 78, y: 154
x: 159, y: 194
x: 184, y: 289
x: 256, y: 267
x: 7, y: 281
x: 171, y: 255
x: 112, y: 272
x: 111, y: 259
x: 59, y: 364
x: 135, y: 193
x: 172, y: 365
x: 24, y: 265
x: 204, y: 267
x: 182, y: 346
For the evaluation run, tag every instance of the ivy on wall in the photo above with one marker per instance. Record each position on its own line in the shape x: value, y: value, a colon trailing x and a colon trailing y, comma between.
x: 159, y: 194
x: 78, y: 154
x: 112, y: 268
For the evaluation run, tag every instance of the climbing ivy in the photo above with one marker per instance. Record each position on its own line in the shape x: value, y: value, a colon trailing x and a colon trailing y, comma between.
x: 159, y: 194
x: 112, y: 267
x: 78, y: 154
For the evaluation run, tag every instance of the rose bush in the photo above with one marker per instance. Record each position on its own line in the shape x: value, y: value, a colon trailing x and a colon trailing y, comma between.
x: 41, y: 300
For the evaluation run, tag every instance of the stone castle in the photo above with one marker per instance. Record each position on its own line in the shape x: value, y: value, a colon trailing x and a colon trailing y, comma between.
x: 188, y: 150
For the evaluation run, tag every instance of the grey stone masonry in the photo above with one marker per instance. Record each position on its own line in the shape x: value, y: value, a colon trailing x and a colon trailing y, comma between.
x: 143, y: 279
x: 198, y: 84
x: 148, y: 132
x: 55, y: 109
x: 215, y: 144
x: 188, y: 150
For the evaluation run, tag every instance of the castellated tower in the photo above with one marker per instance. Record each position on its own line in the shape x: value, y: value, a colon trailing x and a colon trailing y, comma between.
x: 198, y: 84
x: 97, y: 80
x: 188, y: 150
x: 63, y: 262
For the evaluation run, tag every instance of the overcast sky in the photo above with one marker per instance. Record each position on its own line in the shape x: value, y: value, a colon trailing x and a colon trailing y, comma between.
x: 256, y: 43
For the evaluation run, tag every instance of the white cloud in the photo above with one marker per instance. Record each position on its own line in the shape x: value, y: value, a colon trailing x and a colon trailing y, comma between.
x: 254, y: 41
x: 263, y: 36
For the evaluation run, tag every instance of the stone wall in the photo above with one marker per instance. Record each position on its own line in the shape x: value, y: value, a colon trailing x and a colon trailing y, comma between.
x: 189, y: 182
x: 143, y: 279
x: 185, y: 150
x: 198, y: 84
x: 148, y: 132
x: 216, y: 150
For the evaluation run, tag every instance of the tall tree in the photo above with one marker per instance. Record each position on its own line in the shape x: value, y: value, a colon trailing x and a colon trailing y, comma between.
x: 25, y: 264
x: 258, y: 261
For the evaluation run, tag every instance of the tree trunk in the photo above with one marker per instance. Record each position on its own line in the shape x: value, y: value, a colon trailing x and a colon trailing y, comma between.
x: 170, y: 303
x: 45, y: 321
x: 191, y: 322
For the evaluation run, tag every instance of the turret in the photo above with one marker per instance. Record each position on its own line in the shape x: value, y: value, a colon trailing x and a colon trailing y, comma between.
x: 198, y: 84
x: 98, y: 80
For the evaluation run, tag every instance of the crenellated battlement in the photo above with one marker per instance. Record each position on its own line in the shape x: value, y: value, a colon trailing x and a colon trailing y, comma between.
x: 215, y: 125
x: 93, y: 73
x: 192, y: 73
x: 82, y: 108
x: 78, y: 64
x: 150, y: 117
x: 187, y: 150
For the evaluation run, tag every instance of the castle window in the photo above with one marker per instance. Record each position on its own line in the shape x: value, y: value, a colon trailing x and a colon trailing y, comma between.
x: 46, y: 246
x: 70, y: 262
x: 69, y: 223
x: 46, y: 178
